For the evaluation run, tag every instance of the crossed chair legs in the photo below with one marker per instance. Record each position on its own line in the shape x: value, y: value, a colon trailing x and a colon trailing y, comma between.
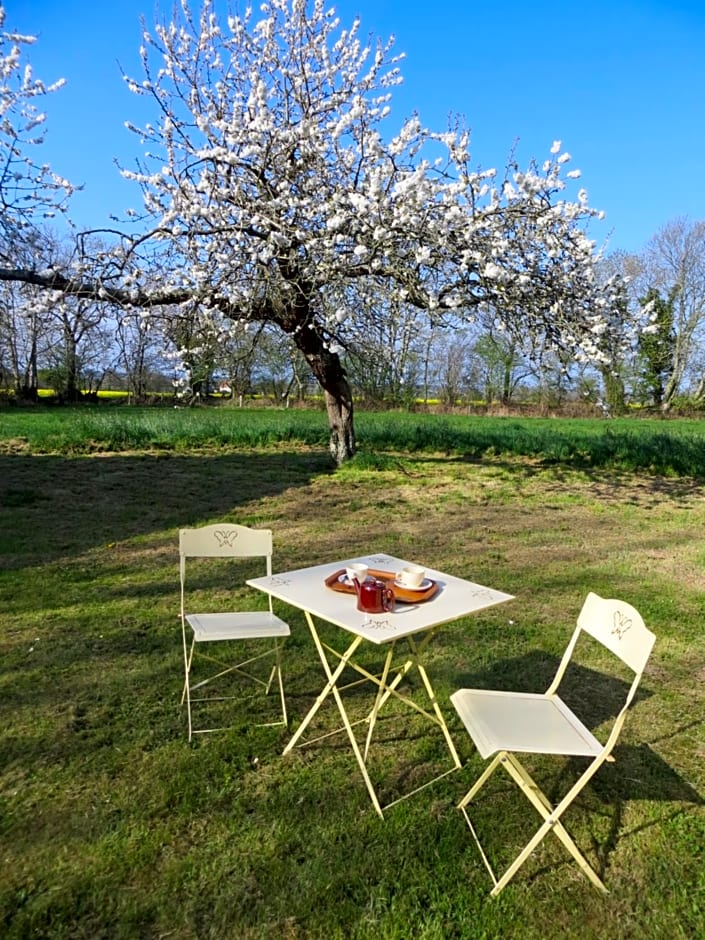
x: 241, y: 669
x: 550, y: 814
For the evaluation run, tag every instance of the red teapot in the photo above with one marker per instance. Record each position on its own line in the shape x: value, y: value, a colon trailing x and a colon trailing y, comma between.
x: 373, y: 596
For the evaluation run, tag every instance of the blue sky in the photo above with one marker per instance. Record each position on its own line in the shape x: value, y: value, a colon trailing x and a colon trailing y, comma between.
x: 620, y: 82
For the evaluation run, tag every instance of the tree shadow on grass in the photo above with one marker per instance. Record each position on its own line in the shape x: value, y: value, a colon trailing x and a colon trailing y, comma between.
x: 51, y: 506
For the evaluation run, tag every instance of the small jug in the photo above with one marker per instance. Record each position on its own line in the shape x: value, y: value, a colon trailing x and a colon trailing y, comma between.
x: 373, y: 596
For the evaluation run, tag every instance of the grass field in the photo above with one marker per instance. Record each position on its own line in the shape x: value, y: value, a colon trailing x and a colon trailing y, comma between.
x: 113, y: 826
x: 668, y: 447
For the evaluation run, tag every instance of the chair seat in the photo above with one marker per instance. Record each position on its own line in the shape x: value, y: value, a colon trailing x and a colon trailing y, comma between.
x: 249, y: 625
x: 522, y: 722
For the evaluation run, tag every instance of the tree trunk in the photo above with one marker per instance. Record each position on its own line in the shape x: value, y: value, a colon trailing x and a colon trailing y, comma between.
x: 340, y: 422
x: 71, y: 366
x: 699, y: 394
x: 73, y: 392
x: 506, y: 383
x: 614, y: 391
x: 672, y: 385
x: 331, y: 376
x: 28, y: 387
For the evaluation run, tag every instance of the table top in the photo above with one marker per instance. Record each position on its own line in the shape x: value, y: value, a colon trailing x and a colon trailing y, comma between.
x: 305, y: 588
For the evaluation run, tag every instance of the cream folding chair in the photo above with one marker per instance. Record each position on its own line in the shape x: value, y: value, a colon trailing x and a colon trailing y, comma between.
x: 508, y: 723
x: 226, y: 540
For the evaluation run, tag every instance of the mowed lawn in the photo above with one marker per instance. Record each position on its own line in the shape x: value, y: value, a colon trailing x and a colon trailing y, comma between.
x: 114, y: 826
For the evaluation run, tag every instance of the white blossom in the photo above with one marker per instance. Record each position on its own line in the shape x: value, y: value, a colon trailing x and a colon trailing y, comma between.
x: 29, y: 190
x: 277, y: 183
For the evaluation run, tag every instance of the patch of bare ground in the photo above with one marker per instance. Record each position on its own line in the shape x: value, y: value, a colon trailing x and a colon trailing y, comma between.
x: 14, y: 445
x: 467, y: 517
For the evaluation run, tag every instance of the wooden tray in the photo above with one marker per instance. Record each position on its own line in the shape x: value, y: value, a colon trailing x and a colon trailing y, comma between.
x: 402, y: 595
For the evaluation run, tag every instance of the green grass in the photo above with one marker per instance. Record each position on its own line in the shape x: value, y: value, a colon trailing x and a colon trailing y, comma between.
x: 91, y: 429
x: 672, y: 447
x: 113, y: 826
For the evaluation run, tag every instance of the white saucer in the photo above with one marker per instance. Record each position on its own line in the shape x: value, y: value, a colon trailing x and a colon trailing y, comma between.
x: 426, y: 583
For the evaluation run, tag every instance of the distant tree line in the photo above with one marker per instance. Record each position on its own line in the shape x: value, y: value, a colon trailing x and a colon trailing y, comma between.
x: 393, y: 357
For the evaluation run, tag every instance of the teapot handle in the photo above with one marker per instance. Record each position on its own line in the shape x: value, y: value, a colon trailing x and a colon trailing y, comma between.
x: 388, y: 599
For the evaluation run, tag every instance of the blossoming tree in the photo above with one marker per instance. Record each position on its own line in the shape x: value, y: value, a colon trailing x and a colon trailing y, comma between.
x: 28, y: 190
x: 274, y: 193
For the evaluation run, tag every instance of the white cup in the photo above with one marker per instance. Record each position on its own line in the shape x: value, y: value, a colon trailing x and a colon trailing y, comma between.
x: 357, y: 571
x: 412, y: 576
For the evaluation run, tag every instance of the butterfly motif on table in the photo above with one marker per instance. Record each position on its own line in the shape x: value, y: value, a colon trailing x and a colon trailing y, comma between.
x: 225, y: 538
x: 368, y: 622
x: 621, y: 623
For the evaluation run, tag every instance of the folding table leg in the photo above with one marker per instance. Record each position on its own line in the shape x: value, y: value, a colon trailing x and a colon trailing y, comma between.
x: 329, y: 686
x: 385, y: 689
x: 439, y: 714
x: 332, y: 687
x: 356, y: 750
x: 372, y: 718
x: 403, y: 670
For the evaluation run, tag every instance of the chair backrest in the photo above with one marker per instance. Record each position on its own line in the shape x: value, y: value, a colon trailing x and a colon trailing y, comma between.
x: 619, y: 627
x: 224, y: 540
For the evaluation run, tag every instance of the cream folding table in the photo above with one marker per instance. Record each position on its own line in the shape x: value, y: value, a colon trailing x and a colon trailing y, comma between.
x: 412, y: 623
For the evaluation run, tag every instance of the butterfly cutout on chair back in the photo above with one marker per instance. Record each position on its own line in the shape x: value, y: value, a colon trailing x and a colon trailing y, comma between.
x: 621, y: 624
x: 224, y: 538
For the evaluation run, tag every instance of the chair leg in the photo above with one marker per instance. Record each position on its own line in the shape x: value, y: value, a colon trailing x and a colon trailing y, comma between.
x: 276, y: 671
x: 552, y: 822
x: 476, y: 787
x: 481, y: 780
x: 188, y: 658
x: 280, y: 680
x: 186, y: 693
x: 268, y: 683
x: 562, y: 834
